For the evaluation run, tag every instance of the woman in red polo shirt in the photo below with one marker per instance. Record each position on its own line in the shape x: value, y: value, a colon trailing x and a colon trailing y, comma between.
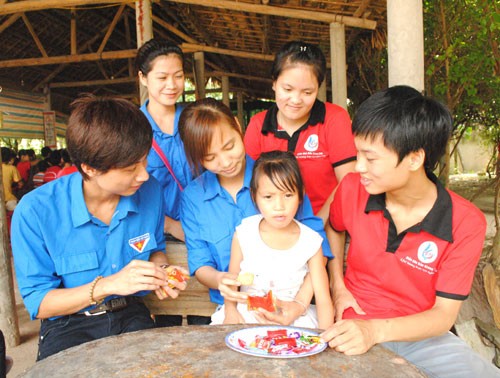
x: 319, y: 134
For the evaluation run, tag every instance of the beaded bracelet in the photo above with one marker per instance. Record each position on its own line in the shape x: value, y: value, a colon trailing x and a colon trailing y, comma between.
x: 302, y: 304
x: 93, y: 302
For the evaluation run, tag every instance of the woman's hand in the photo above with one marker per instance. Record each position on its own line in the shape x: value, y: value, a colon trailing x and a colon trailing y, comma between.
x: 227, y: 283
x: 342, y: 300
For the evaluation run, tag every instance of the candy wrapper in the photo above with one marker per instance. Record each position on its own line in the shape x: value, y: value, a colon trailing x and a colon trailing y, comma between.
x: 267, y: 302
x: 281, y: 342
x: 174, y: 274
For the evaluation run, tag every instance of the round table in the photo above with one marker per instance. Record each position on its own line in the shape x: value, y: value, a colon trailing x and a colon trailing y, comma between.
x: 200, y: 351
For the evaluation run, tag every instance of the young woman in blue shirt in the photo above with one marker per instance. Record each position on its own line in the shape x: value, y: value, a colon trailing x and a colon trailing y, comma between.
x: 160, y: 66
x: 219, y: 198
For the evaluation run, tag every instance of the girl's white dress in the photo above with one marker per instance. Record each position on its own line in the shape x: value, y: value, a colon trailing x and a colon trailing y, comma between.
x: 281, y: 271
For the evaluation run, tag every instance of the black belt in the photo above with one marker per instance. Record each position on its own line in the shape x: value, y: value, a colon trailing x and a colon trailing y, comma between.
x: 113, y: 305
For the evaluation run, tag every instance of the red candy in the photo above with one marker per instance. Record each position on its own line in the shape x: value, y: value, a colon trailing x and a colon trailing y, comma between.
x: 279, y: 342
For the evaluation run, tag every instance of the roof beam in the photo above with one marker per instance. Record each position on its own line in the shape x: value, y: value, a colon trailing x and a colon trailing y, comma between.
x: 284, y: 12
x: 34, y: 35
x: 9, y: 21
x: 37, y: 5
x: 106, y: 55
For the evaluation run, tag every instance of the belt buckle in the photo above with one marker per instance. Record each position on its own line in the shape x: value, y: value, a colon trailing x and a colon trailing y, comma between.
x: 88, y: 313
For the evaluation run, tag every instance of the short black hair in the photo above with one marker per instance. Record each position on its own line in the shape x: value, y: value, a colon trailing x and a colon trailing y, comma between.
x: 46, y: 152
x: 7, y: 154
x: 407, y: 121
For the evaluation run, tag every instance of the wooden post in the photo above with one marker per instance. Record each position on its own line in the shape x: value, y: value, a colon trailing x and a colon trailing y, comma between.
x: 322, y: 91
x: 225, y: 90
x: 239, y: 105
x: 144, y: 23
x: 199, y: 74
x: 338, y: 61
x: 8, y: 316
x: 405, y: 40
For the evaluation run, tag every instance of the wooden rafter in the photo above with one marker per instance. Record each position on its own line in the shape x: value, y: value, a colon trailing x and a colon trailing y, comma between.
x: 38, y: 5
x: 34, y: 35
x: 9, y: 21
x: 112, y: 26
x: 284, y: 12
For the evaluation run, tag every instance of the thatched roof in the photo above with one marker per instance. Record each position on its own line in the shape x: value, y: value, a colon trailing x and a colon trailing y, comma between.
x: 239, y: 38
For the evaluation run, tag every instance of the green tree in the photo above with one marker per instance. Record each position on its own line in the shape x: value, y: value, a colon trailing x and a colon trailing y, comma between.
x: 462, y: 64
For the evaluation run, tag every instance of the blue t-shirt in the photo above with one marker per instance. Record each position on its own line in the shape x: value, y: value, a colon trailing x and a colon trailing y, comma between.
x: 173, y: 149
x: 57, y: 243
x: 209, y: 217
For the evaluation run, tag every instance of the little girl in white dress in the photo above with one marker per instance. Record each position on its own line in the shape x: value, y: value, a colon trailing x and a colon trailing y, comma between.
x: 278, y: 250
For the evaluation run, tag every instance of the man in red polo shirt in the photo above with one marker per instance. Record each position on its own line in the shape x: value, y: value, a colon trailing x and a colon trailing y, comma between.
x: 414, y: 244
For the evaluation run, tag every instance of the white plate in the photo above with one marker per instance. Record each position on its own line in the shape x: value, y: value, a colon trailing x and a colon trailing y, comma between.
x: 240, y: 340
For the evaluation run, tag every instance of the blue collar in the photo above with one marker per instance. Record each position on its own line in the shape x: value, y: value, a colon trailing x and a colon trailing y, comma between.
x: 154, y: 126
x: 212, y: 186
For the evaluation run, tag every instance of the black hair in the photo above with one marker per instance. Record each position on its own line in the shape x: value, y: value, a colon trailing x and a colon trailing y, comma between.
x: 407, y: 121
x: 298, y: 52
x: 46, y: 152
x: 7, y: 154
x: 282, y: 169
x: 151, y: 50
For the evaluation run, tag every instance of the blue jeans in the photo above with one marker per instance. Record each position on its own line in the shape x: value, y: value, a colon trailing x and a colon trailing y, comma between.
x: 71, y: 330
x: 445, y: 356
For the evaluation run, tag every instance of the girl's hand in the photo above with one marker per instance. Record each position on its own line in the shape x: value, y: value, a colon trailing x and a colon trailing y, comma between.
x: 288, y: 312
x: 342, y: 300
x: 226, y: 284
x: 233, y: 317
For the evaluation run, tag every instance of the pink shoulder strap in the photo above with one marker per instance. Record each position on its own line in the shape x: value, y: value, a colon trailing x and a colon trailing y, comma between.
x: 163, y: 158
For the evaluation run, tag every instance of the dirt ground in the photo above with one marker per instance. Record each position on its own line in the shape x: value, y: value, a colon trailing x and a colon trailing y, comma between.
x: 24, y: 355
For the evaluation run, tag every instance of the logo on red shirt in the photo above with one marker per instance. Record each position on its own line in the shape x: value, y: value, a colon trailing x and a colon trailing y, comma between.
x: 139, y: 243
x: 311, y: 143
x: 427, y: 252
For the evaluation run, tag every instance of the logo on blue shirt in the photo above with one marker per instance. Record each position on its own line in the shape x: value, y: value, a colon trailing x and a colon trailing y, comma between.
x: 139, y: 243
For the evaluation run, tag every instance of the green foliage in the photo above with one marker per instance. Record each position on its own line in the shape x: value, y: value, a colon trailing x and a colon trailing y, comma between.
x: 461, y: 50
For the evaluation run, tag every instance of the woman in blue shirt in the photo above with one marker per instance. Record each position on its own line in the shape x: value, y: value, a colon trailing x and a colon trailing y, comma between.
x: 160, y: 66
x: 216, y: 202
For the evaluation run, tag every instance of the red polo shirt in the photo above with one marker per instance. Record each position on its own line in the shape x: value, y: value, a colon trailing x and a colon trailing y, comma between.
x: 324, y: 142
x: 393, y: 275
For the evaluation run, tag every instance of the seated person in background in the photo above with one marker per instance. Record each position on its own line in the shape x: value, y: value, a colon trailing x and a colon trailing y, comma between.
x: 67, y: 165
x: 54, y: 168
x: 10, y: 177
x: 414, y: 244
x: 24, y: 164
x: 88, y: 246
x: 37, y: 178
x: 273, y: 239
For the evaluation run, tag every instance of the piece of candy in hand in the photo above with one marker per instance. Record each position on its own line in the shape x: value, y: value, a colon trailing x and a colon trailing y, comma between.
x: 174, y: 274
x: 266, y: 302
x: 245, y: 278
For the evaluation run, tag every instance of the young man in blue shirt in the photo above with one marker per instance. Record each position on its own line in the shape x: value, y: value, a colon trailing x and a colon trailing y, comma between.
x: 87, y: 246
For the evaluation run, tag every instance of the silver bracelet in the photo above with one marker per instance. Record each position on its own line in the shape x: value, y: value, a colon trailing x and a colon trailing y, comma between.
x: 302, y: 304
